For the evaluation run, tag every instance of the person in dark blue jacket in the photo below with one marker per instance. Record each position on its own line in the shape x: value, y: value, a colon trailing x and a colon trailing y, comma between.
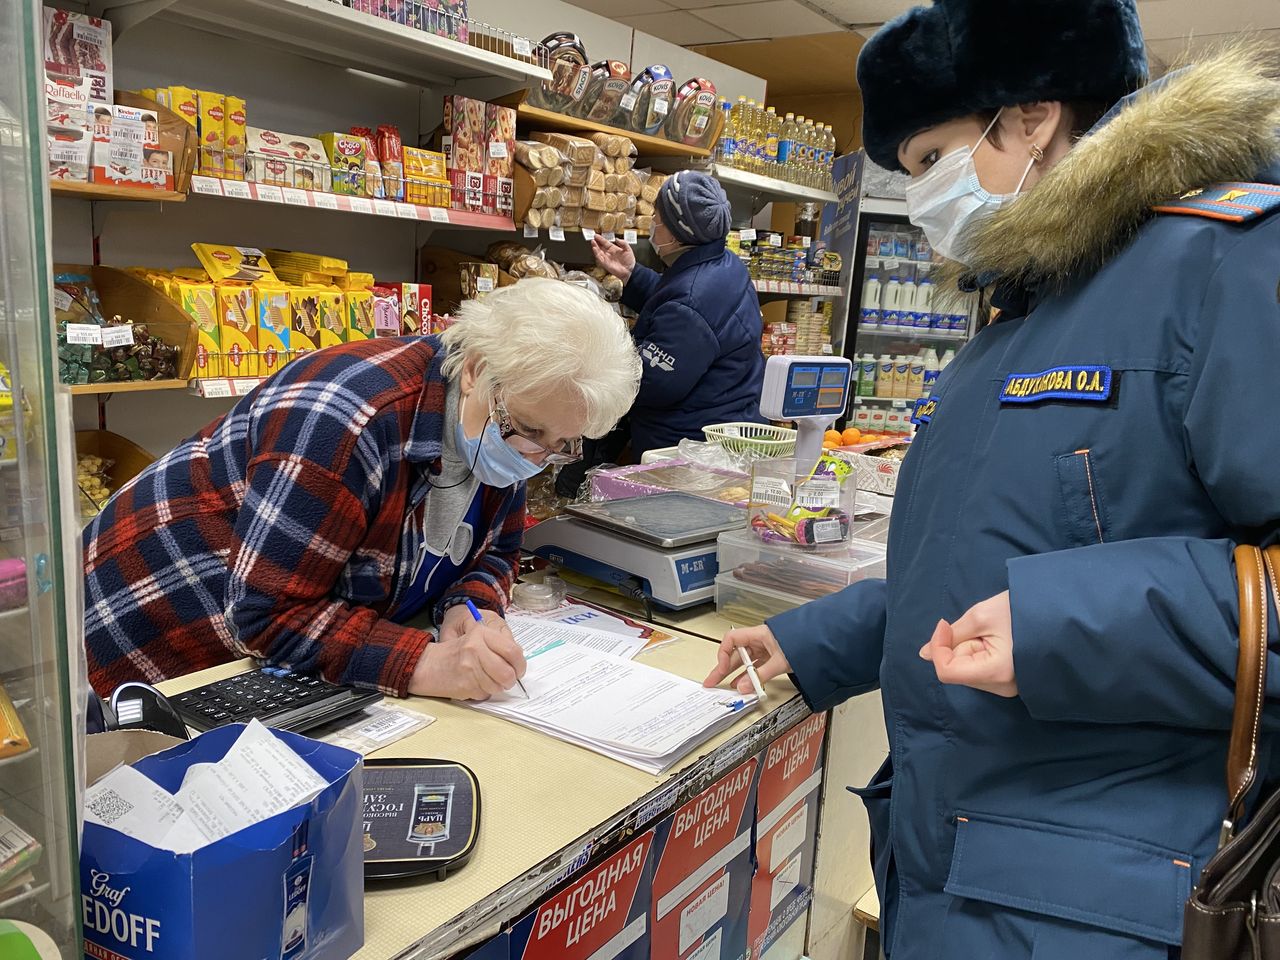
x: 1055, y: 643
x: 699, y: 326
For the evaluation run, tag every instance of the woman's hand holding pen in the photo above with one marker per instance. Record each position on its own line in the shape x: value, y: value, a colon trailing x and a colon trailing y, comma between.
x: 472, y: 660
x: 761, y: 648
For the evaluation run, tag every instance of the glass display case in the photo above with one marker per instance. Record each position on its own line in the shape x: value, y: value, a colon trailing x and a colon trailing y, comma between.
x: 40, y: 659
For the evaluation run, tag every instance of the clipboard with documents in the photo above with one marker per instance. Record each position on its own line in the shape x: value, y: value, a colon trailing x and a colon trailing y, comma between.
x: 583, y: 692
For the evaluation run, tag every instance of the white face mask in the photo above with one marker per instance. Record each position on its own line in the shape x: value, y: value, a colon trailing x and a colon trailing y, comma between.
x: 948, y: 200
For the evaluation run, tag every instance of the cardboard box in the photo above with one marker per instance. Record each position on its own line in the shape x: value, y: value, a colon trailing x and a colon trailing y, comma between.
x: 274, y: 322
x: 141, y: 902
x: 608, y: 905
x: 702, y: 871
x: 199, y: 301
x: 212, y: 127
x: 287, y: 160
x: 238, y: 330
x: 333, y: 320
x: 787, y: 803
x: 69, y: 127
x: 77, y: 46
x: 415, y: 309
x: 386, y: 310
x: 131, y: 154
x: 347, y: 156
x: 234, y: 138
x: 359, y: 312
x: 467, y: 192
x: 465, y: 145
x: 304, y: 321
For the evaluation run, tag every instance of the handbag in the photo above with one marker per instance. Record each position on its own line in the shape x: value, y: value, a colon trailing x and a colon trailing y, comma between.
x: 1234, y: 912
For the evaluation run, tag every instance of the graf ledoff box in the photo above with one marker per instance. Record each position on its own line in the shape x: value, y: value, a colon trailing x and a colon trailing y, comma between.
x: 288, y: 888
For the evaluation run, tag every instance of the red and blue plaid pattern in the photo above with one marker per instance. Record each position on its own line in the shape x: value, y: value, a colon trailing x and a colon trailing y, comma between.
x: 288, y: 528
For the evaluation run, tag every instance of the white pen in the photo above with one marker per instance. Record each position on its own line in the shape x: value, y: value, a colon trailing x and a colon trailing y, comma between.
x: 751, y: 672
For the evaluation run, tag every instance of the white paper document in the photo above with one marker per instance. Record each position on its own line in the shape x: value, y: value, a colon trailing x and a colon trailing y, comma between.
x: 634, y: 713
x: 536, y: 635
x: 259, y: 777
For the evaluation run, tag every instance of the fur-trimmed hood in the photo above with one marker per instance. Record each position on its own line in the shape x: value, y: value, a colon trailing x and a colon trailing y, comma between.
x: 1215, y: 120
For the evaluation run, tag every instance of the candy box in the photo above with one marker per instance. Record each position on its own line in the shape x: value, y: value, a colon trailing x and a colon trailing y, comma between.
x: 287, y: 160
x: 183, y: 101
x: 238, y: 330
x: 478, y: 279
x: 304, y: 320
x: 199, y: 301
x: 386, y: 310
x: 426, y: 177
x: 274, y: 322
x: 131, y: 154
x: 69, y: 126
x: 78, y: 47
x: 332, y: 319
x: 346, y: 155
x: 235, y: 133
x: 211, y: 126
x: 245, y: 264
x: 359, y: 314
x: 415, y: 309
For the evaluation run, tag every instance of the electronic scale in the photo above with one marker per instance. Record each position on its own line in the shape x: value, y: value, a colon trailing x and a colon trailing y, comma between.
x: 660, y: 548
x: 812, y: 391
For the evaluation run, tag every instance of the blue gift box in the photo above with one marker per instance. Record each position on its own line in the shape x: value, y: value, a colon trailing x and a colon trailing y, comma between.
x: 290, y: 887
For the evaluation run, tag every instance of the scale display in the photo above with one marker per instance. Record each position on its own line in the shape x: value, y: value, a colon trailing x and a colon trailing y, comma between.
x: 800, y: 387
x: 665, y: 519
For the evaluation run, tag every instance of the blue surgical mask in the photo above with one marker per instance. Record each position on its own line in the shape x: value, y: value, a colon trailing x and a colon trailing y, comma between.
x: 492, y: 459
x: 949, y: 200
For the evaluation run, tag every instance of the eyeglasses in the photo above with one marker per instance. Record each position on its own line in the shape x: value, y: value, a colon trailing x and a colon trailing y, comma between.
x: 531, y: 449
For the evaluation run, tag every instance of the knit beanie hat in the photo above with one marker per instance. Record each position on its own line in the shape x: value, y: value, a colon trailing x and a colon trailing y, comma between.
x: 694, y: 208
x: 958, y: 57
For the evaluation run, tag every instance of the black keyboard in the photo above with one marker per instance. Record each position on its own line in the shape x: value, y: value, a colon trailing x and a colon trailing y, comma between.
x: 275, y: 696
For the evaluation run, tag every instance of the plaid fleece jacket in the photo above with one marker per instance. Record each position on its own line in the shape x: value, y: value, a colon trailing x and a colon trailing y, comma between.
x: 287, y: 529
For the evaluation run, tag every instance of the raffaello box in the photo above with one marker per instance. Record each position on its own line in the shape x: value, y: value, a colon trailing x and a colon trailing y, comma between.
x: 69, y: 127
x: 77, y: 46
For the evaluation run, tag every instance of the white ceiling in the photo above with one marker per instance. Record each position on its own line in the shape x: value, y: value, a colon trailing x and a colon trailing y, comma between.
x: 1171, y: 26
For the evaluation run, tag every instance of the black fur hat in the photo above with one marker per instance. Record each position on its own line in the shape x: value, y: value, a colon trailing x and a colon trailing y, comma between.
x: 938, y: 63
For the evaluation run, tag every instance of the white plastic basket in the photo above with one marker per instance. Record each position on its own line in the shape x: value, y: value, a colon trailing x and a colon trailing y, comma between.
x: 761, y: 439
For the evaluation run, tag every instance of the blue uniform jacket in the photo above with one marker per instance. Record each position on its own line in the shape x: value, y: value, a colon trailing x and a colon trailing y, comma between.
x: 699, y: 338
x: 1097, y: 452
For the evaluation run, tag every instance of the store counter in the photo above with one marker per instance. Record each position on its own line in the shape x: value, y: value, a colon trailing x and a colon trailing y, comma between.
x: 547, y: 806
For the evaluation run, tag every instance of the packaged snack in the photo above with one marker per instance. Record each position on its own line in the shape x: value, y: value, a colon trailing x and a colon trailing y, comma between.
x: 185, y: 102
x: 570, y: 74
x: 463, y: 143
x: 425, y: 164
x: 212, y: 130
x: 346, y: 156
x: 354, y: 281
x: 386, y: 310
x: 333, y: 321
x: 536, y: 156
x: 610, y: 81
x: 235, y: 138
x: 304, y: 320
x: 274, y: 323
x: 689, y: 120
x: 288, y: 160
x: 359, y: 312
x: 391, y: 156
x: 577, y: 150
x: 238, y: 326
x: 415, y: 309
x: 199, y: 301
x: 78, y: 47
x: 654, y: 90
x: 373, y: 186
x: 69, y: 126
x: 478, y: 279
x: 312, y: 262
x: 501, y: 127
x: 245, y: 264
x: 132, y: 156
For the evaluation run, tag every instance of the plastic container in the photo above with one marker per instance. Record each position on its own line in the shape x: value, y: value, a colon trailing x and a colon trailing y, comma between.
x: 811, y: 513
x: 810, y: 574
x: 746, y: 606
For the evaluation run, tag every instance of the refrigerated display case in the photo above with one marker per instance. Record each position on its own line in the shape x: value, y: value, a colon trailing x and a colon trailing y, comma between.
x: 40, y: 657
x: 893, y: 311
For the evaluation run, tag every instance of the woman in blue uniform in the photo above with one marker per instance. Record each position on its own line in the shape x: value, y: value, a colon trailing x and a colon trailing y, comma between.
x: 1056, y: 640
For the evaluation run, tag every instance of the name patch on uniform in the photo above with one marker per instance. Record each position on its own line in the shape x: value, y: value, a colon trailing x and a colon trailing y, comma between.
x: 924, y: 410
x: 1088, y: 382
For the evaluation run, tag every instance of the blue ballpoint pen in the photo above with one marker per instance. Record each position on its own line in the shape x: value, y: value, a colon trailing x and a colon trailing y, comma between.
x: 479, y: 619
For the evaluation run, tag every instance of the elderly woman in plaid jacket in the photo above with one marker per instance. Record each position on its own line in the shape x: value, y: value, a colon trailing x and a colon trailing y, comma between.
x: 362, y: 487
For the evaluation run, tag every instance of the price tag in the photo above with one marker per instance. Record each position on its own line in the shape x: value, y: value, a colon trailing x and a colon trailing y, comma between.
x: 215, y: 388
x: 806, y: 242
x: 522, y: 46
x: 325, y: 201
x: 556, y: 233
x: 237, y: 189
x: 84, y: 333
x: 610, y: 236
x: 118, y: 336
x: 530, y: 231
x: 818, y: 493
x: 242, y: 386
x: 888, y: 264
x: 384, y: 208
x: 406, y: 211
x: 295, y: 198
x: 361, y: 205
x: 628, y: 101
x: 771, y: 491
x: 826, y: 350
x: 775, y: 239
x: 208, y: 185
x: 747, y: 234
x: 484, y: 284
x: 270, y: 193
x: 630, y: 237
x: 588, y: 233
x: 498, y: 149
x: 61, y: 300
x: 660, y: 107
x: 438, y: 214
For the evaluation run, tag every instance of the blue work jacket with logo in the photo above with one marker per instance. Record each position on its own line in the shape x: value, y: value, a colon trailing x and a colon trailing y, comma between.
x: 699, y: 340
x: 1096, y: 452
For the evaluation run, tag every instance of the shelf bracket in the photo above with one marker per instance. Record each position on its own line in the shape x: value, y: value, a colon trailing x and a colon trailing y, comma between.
x: 129, y: 14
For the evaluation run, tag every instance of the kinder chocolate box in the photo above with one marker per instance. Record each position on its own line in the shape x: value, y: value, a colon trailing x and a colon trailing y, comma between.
x: 238, y: 329
x: 131, y: 155
x: 77, y: 46
x: 347, y: 156
x: 287, y: 160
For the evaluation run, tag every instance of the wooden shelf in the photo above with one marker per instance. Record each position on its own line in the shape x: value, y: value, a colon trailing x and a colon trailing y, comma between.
x: 646, y: 145
x: 105, y: 191
x: 141, y: 386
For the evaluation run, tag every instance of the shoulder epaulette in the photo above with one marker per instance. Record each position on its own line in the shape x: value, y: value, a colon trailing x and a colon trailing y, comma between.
x: 1233, y: 202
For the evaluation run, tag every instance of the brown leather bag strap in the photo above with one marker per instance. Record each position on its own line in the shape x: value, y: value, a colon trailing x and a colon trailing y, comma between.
x: 1251, y: 681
